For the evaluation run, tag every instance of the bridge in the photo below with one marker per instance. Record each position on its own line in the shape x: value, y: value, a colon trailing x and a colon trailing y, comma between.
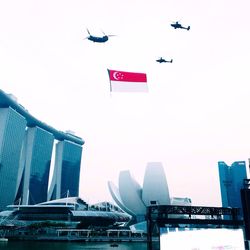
x: 160, y: 216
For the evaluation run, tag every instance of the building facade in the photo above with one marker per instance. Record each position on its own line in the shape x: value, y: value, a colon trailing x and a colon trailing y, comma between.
x: 26, y: 146
x: 12, y: 132
x: 71, y: 212
x: 36, y: 159
x: 66, y: 174
x: 231, y: 181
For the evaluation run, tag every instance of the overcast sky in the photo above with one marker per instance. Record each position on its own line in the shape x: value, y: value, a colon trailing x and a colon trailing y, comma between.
x: 195, y: 114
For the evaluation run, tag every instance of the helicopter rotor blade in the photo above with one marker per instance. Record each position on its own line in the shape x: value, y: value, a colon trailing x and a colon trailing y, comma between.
x: 107, y: 35
x: 103, y: 33
x: 88, y: 31
x: 176, y: 21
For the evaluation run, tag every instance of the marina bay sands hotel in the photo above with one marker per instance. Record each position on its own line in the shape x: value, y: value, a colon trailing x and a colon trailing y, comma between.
x: 26, y: 151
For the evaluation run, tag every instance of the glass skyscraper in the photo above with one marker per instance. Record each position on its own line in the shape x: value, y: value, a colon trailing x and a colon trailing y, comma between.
x: 12, y: 131
x: 26, y: 148
x: 37, y: 151
x: 66, y: 174
x: 231, y: 181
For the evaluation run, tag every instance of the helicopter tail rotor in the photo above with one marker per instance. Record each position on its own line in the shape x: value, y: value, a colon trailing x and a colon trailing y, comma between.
x: 188, y: 28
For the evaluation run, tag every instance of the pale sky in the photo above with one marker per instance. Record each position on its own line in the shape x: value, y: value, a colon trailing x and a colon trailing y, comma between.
x: 195, y: 114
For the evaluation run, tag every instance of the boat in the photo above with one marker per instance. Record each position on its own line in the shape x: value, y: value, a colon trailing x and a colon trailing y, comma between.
x: 114, y: 245
x: 3, y: 239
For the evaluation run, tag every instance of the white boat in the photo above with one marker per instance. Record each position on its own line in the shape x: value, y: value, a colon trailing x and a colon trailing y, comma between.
x: 3, y: 239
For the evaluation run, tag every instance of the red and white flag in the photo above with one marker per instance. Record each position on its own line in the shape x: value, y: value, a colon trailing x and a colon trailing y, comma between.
x: 121, y: 81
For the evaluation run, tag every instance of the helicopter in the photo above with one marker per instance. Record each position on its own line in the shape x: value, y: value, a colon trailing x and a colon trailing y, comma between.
x: 162, y: 60
x: 98, y: 39
x: 177, y: 25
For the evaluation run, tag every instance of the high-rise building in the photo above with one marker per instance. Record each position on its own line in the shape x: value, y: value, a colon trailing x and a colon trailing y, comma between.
x: 66, y: 174
x: 37, y: 151
x: 26, y: 146
x: 231, y: 181
x: 12, y: 131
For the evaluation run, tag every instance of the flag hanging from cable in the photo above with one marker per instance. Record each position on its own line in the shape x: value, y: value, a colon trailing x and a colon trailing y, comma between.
x: 121, y: 81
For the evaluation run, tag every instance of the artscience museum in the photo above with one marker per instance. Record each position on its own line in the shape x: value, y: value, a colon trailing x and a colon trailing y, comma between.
x: 134, y: 199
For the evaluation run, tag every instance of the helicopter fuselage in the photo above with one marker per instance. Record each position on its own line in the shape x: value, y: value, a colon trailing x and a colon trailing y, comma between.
x: 162, y: 60
x: 97, y: 39
x: 179, y: 26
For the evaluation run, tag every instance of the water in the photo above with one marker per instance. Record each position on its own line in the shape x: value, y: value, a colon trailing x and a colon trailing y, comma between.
x: 38, y: 245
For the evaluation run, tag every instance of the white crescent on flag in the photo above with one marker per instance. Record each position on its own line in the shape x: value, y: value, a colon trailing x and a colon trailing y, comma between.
x: 117, y: 75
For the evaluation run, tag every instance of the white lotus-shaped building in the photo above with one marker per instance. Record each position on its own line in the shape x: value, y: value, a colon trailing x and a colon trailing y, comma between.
x: 134, y: 199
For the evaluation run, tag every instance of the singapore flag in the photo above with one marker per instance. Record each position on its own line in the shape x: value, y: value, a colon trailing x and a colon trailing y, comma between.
x: 121, y: 81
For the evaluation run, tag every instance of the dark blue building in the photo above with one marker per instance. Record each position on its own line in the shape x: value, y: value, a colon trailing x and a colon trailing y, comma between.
x: 231, y: 182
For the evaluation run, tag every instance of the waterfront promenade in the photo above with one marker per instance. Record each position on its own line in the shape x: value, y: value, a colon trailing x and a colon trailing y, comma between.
x: 80, y: 235
x: 55, y: 245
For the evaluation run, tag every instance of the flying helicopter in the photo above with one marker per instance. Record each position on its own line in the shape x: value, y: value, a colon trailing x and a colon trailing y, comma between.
x: 177, y: 25
x: 162, y: 60
x: 98, y: 39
